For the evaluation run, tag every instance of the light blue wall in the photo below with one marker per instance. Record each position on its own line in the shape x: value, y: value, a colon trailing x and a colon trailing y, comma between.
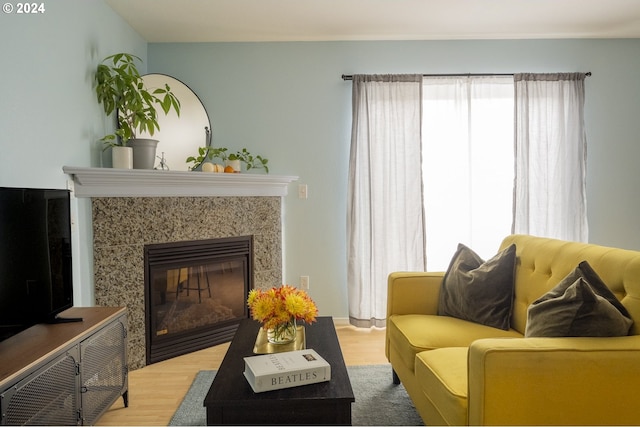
x: 288, y: 102
x: 48, y: 114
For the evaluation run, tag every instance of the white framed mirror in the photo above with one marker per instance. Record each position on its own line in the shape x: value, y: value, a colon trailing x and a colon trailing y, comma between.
x: 179, y: 137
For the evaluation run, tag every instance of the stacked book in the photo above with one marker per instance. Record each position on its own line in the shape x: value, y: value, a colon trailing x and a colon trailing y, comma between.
x: 282, y: 370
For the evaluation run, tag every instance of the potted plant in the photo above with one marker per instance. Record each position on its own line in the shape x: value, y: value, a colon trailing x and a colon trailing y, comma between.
x: 119, y: 87
x: 231, y: 161
x: 203, y: 161
x: 252, y: 162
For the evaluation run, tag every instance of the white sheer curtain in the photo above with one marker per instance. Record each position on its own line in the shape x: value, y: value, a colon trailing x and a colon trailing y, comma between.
x: 467, y: 138
x: 385, y: 230
x: 466, y: 129
x: 550, y: 190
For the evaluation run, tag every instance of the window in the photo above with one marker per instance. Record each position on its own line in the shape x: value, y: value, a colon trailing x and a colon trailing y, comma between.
x: 438, y: 161
x: 467, y: 164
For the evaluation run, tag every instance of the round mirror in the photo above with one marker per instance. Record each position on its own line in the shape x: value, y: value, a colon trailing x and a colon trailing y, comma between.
x: 179, y: 137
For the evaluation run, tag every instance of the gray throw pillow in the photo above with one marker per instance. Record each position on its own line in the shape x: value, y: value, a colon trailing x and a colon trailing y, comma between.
x: 581, y: 305
x: 479, y: 291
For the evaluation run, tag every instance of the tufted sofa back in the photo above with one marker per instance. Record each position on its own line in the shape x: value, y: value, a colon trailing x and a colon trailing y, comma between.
x: 541, y: 263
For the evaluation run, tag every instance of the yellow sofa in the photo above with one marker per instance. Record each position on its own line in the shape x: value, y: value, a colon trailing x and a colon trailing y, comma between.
x: 463, y: 373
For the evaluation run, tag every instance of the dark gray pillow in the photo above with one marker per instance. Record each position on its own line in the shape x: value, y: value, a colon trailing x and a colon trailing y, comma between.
x: 479, y: 291
x: 581, y: 305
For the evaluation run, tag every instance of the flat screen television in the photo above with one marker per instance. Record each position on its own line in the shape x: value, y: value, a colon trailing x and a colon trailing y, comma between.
x: 35, y: 257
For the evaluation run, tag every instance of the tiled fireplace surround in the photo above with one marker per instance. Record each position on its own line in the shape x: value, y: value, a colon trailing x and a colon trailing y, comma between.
x: 123, y: 225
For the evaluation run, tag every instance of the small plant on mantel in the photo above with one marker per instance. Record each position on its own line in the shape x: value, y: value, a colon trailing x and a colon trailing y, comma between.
x: 204, y: 154
x: 252, y: 162
x: 209, y: 153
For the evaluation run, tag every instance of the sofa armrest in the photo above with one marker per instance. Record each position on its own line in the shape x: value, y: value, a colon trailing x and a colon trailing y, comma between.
x: 559, y: 381
x: 413, y: 292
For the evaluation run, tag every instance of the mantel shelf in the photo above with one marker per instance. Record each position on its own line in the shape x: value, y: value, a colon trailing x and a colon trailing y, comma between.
x: 107, y: 182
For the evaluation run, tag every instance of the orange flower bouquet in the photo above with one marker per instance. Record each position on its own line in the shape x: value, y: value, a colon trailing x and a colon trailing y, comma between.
x: 278, y: 309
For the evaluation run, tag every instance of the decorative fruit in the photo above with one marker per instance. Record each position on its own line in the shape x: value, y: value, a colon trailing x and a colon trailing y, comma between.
x: 218, y: 168
x: 229, y: 169
x: 208, y: 167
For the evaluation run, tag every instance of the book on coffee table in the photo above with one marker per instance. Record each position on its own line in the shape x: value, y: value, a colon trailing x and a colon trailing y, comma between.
x: 283, y: 370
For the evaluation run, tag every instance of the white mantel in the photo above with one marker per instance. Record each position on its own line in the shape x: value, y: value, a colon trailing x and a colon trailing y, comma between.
x: 107, y: 182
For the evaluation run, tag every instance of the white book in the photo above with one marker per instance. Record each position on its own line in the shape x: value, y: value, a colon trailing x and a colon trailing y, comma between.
x: 283, y: 370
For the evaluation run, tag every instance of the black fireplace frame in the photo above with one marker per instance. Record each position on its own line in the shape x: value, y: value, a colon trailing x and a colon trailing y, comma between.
x: 164, y: 254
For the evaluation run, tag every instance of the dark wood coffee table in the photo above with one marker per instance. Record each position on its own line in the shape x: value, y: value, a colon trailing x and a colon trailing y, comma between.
x: 230, y: 399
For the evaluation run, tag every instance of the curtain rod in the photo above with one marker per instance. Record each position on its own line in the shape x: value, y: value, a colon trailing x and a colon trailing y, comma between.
x: 350, y: 76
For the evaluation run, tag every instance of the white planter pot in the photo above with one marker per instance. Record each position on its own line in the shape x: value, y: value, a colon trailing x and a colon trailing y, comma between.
x: 235, y: 164
x: 122, y: 157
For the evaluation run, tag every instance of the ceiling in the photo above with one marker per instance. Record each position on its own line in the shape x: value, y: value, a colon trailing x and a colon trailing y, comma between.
x: 327, y: 20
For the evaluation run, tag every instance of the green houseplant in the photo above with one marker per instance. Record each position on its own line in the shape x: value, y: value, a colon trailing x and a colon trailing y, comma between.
x: 119, y: 87
x: 208, y: 154
x: 251, y: 161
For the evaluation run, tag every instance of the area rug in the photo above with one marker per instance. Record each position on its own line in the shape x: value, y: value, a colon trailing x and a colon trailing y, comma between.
x: 378, y: 400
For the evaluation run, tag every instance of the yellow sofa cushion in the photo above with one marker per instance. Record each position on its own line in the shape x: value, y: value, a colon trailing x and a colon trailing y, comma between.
x: 442, y: 375
x: 414, y: 333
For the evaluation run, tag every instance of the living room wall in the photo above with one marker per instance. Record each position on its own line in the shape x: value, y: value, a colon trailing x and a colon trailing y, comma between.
x: 288, y: 102
x: 49, y: 117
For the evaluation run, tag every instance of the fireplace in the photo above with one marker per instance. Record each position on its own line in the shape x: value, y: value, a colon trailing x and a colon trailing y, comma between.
x: 195, y: 294
x: 134, y: 208
x: 123, y: 226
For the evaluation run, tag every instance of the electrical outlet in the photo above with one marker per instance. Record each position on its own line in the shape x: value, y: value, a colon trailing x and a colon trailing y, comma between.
x: 302, y: 191
x: 304, y: 282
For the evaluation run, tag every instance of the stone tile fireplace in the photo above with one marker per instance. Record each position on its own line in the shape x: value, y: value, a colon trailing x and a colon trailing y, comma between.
x: 195, y: 207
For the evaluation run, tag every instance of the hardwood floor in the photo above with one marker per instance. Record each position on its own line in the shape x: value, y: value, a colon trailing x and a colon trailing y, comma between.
x: 155, y: 391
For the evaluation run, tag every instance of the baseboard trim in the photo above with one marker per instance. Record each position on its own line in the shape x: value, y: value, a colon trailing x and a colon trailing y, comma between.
x: 344, y: 321
x: 341, y: 321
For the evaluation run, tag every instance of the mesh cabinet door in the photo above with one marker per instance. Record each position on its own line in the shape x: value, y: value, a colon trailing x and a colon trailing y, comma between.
x: 103, y: 369
x: 46, y: 397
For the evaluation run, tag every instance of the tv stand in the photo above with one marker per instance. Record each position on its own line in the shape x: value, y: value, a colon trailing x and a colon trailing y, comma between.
x: 59, y: 319
x: 65, y: 373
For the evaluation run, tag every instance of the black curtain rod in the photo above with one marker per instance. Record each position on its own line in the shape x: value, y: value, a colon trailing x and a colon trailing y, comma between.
x: 350, y: 76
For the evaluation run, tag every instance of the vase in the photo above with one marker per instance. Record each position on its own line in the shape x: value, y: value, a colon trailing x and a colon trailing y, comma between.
x: 283, y: 333
x: 144, y: 152
x: 121, y: 157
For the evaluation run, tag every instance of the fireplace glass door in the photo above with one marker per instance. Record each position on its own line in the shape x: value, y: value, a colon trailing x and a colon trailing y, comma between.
x: 196, y: 296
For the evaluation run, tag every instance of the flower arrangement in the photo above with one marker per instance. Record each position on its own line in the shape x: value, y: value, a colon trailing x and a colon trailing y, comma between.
x: 277, y: 306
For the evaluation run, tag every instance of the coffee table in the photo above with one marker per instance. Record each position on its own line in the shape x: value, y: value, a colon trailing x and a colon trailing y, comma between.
x: 231, y: 400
